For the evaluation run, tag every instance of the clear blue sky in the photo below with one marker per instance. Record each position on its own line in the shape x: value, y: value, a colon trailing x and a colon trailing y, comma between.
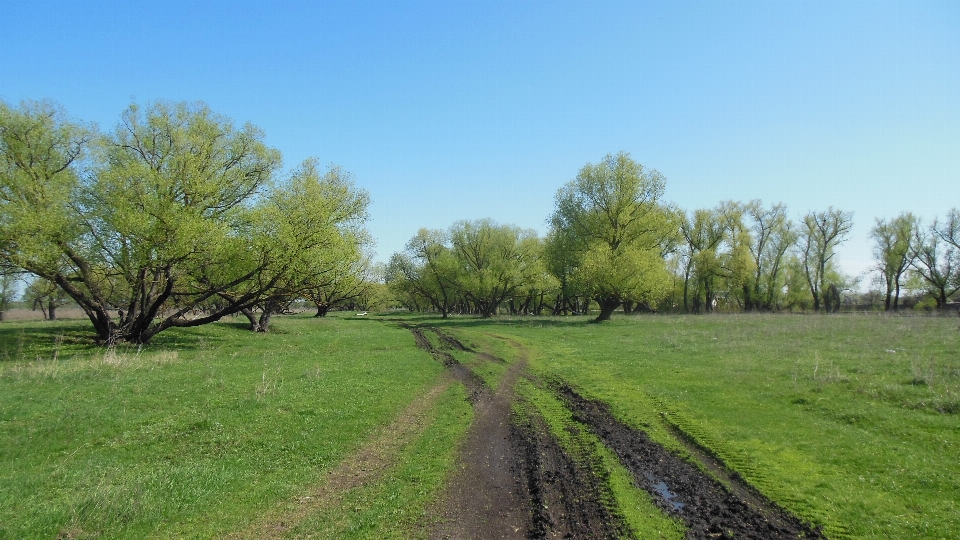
x: 468, y: 109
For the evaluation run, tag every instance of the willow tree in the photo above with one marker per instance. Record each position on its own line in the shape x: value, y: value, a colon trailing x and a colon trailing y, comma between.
x: 936, y: 257
x: 426, y: 271
x: 893, y: 252
x: 496, y: 262
x: 312, y: 224
x: 616, y: 229
x: 139, y: 227
x: 820, y: 234
x: 772, y: 235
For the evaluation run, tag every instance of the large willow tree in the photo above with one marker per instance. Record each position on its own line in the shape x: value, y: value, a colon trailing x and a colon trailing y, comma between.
x: 615, y: 231
x: 165, y: 222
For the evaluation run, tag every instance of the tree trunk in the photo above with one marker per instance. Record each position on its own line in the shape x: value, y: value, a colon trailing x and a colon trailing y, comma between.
x: 607, y: 307
x: 264, y: 323
x: 51, y: 313
x: 254, y: 323
x: 322, y: 310
x: 1, y: 315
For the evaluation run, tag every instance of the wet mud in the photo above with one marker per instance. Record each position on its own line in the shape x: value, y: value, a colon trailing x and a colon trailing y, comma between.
x: 513, y: 480
x: 707, y: 507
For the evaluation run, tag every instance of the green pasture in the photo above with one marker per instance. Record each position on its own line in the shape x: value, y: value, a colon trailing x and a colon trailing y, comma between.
x: 203, y: 430
x: 849, y: 421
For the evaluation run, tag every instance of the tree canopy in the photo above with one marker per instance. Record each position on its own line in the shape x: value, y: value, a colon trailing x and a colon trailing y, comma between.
x: 615, y: 231
x: 173, y: 219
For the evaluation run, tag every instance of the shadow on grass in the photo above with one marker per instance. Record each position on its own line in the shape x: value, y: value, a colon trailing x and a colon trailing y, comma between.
x: 30, y: 340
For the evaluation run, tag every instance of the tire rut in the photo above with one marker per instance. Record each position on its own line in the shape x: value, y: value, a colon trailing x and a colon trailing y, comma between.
x: 365, y: 466
x: 707, y: 507
x: 514, y: 481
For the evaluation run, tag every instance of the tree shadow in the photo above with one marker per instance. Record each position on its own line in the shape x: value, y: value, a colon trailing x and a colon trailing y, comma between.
x: 32, y: 340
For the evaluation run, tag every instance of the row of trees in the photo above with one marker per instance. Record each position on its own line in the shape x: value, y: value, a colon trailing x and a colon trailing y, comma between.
x: 179, y: 218
x: 176, y: 218
x: 906, y: 250
x: 614, y: 242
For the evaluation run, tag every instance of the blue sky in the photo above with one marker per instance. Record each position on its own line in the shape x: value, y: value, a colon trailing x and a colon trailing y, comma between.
x: 469, y: 109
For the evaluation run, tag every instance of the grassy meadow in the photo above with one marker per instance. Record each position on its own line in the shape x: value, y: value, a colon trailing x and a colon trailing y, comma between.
x: 849, y: 421
x: 206, y: 428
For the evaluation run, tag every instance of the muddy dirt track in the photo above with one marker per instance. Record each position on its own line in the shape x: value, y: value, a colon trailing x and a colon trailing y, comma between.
x: 515, y: 481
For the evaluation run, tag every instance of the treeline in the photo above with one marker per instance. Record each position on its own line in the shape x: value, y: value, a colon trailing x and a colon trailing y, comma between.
x: 614, y: 243
x: 175, y: 218
x: 178, y: 218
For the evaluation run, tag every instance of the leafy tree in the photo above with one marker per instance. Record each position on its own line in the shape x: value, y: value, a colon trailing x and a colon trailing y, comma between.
x: 46, y: 296
x: 156, y: 226
x: 736, y: 263
x: 820, y: 234
x: 703, y: 233
x: 560, y: 260
x: 893, y: 250
x: 345, y: 280
x: 427, y: 271
x: 616, y: 230
x: 936, y: 258
x: 541, y: 286
x: 772, y: 236
x: 318, y: 221
x: 496, y: 262
x: 8, y: 291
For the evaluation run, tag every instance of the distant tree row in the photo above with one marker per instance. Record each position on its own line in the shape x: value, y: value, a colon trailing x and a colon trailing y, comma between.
x: 613, y: 242
x: 176, y: 218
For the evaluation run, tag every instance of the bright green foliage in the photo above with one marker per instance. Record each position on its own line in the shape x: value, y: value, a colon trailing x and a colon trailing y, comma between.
x: 733, y: 256
x: 494, y: 262
x: 704, y: 234
x: 820, y: 234
x: 476, y: 266
x: 936, y: 258
x: 426, y: 272
x: 172, y: 221
x: 638, y: 275
x: 611, y: 214
x: 772, y: 236
x: 318, y: 221
x: 893, y: 251
x: 541, y: 285
x: 155, y: 221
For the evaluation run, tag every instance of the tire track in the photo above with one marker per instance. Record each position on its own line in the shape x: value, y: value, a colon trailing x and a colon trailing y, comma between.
x: 375, y: 456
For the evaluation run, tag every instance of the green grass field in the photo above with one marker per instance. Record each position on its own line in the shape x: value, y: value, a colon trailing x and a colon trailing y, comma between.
x: 850, y: 421
x: 201, y: 431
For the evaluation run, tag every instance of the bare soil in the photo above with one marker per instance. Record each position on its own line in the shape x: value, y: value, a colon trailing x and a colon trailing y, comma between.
x: 513, y: 479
